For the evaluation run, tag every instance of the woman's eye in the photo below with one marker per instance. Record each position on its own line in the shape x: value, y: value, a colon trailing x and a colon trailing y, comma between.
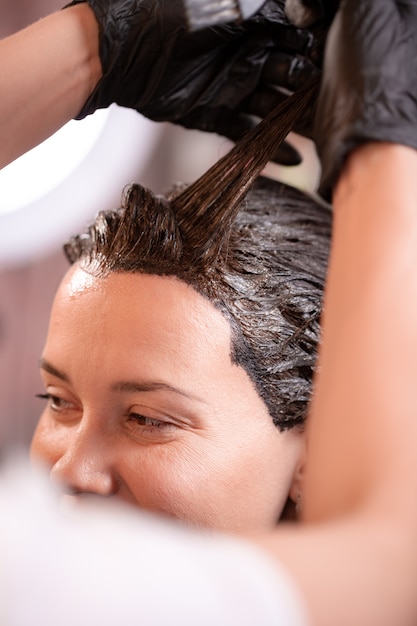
x: 55, y: 402
x: 148, y: 422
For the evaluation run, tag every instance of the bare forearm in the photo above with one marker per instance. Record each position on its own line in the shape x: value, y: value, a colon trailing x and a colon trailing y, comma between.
x: 354, y: 558
x: 363, y: 419
x: 47, y: 72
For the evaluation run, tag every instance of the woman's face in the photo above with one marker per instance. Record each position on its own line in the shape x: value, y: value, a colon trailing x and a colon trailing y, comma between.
x: 144, y: 403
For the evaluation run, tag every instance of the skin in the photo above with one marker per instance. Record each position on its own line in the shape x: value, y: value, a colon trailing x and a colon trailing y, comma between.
x: 48, y: 71
x: 136, y: 411
x: 354, y: 558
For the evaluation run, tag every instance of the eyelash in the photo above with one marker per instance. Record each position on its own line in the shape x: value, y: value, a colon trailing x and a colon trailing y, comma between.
x: 55, y: 403
x: 148, y: 422
x: 58, y: 405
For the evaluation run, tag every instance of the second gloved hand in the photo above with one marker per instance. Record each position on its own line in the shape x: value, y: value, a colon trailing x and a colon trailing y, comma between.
x: 369, y: 86
x: 220, y: 79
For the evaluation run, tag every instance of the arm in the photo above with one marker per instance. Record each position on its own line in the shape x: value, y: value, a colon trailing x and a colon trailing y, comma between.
x: 354, y: 559
x: 365, y: 406
x: 48, y: 71
x: 364, y: 415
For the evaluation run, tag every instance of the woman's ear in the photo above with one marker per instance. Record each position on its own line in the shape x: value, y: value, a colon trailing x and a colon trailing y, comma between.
x: 292, y: 508
x: 296, y: 489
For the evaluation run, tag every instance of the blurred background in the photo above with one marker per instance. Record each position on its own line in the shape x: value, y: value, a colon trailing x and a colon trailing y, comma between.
x: 50, y: 193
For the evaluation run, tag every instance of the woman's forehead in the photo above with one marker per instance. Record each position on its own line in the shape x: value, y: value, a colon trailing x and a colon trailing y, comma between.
x: 158, y: 313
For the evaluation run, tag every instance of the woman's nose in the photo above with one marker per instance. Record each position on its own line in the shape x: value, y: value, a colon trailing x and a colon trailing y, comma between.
x: 84, y: 467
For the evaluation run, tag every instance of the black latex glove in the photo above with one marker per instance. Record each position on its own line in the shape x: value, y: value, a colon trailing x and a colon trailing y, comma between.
x: 220, y: 79
x: 369, y: 86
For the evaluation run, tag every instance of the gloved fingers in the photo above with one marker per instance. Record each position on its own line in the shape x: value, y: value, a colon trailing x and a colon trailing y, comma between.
x: 234, y: 126
x: 291, y: 39
x: 286, y: 154
x: 265, y: 99
x: 288, y: 71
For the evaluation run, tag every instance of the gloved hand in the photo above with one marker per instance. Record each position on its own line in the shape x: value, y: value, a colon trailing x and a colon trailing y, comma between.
x: 369, y: 86
x: 220, y: 79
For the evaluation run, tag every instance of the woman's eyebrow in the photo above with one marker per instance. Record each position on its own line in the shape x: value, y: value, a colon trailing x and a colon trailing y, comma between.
x: 51, y: 369
x: 124, y: 386
x: 142, y: 386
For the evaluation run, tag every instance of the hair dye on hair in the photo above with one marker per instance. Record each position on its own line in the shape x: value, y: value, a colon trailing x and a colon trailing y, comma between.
x: 257, y: 249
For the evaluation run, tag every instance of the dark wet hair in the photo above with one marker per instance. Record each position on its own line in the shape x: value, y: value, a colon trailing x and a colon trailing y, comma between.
x: 257, y: 250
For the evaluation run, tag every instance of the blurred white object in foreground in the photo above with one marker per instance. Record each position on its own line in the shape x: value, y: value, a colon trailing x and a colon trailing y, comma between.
x: 101, y: 566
